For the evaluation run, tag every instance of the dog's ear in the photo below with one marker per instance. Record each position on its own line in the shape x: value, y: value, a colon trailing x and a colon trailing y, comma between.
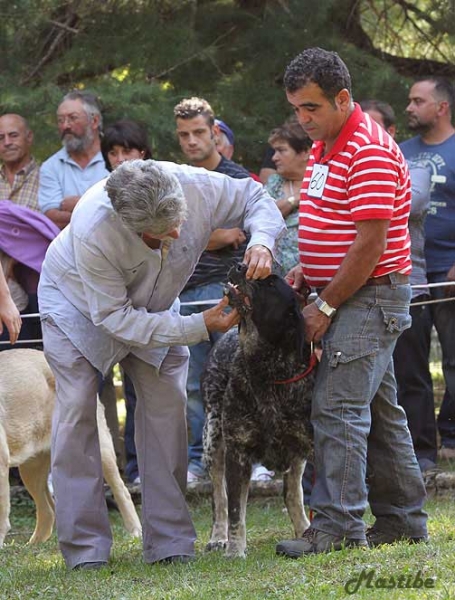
x: 277, y: 314
x: 297, y: 327
x: 302, y: 346
x: 303, y: 295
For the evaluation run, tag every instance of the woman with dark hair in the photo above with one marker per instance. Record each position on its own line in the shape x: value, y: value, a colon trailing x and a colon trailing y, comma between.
x: 124, y: 140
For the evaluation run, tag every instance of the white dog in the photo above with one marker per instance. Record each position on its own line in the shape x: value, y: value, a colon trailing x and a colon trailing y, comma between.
x: 27, y: 396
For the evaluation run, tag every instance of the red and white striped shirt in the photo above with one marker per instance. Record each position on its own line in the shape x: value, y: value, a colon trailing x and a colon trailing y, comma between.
x: 364, y: 176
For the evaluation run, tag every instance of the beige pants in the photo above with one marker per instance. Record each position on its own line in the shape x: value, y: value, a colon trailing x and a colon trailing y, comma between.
x: 161, y: 442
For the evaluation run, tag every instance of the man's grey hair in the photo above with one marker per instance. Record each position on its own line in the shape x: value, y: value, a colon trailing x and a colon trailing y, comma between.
x: 147, y: 197
x: 89, y: 102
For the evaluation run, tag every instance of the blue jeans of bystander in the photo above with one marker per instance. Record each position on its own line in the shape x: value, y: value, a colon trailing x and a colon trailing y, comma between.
x: 415, y: 387
x: 198, y: 358
x: 443, y: 318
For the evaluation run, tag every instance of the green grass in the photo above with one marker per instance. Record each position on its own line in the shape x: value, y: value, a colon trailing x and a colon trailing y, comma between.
x: 38, y: 572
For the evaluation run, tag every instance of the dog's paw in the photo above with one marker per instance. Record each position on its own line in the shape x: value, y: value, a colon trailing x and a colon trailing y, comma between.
x: 234, y: 552
x: 136, y: 532
x: 5, y: 526
x: 216, y: 545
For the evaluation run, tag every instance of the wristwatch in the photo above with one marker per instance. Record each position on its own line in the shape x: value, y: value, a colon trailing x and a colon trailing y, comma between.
x: 325, y: 308
x: 293, y: 201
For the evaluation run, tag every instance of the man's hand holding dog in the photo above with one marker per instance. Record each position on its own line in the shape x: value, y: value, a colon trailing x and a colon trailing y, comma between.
x: 259, y: 260
x: 316, y: 323
x: 216, y: 319
x: 298, y: 283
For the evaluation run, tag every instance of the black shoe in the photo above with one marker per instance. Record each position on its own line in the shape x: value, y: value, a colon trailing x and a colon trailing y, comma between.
x: 86, y: 566
x: 378, y: 537
x: 178, y: 558
x: 314, y: 542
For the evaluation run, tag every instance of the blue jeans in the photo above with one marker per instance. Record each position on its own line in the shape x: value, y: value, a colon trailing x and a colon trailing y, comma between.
x: 131, y: 467
x: 443, y: 317
x: 415, y: 386
x: 30, y: 330
x: 198, y: 359
x: 355, y: 414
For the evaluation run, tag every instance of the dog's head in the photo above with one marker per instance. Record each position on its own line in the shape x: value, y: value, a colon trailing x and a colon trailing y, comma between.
x: 270, y: 304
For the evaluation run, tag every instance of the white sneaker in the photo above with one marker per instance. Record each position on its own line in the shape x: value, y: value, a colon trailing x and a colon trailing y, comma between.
x: 260, y: 473
x: 192, y: 477
x: 49, y: 484
x: 137, y: 480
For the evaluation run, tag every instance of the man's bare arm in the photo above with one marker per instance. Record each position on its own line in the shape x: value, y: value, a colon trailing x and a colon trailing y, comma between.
x: 62, y: 216
x: 357, y: 266
x: 221, y: 238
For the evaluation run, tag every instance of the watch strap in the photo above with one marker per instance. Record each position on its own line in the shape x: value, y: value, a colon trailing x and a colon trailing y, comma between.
x: 324, y: 307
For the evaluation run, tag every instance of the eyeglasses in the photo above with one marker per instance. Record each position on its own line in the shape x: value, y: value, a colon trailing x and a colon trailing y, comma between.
x: 61, y: 120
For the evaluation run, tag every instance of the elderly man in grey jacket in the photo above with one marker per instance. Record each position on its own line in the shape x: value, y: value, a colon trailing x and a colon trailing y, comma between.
x: 109, y: 293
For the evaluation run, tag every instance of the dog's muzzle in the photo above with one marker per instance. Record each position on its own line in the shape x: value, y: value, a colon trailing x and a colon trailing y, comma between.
x: 236, y: 288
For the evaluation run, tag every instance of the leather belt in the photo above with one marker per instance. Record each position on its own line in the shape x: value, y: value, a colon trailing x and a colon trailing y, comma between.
x: 393, y: 278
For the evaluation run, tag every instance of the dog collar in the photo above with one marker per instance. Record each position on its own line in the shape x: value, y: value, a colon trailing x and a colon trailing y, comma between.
x: 311, y: 366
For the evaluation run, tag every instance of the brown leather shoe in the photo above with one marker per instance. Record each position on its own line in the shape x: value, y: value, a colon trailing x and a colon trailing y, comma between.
x: 178, y: 558
x: 314, y: 542
x: 379, y: 537
x: 86, y: 566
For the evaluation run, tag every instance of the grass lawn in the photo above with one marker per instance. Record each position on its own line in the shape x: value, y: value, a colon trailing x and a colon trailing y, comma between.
x: 38, y: 572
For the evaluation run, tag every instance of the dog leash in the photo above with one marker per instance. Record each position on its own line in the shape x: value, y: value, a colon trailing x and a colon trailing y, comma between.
x: 303, y: 297
x: 313, y: 362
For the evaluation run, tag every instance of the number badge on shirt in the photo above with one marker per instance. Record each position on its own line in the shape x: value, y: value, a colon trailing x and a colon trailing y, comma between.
x: 317, y: 181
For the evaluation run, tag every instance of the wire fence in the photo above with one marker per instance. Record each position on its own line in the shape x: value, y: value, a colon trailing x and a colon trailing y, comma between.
x: 213, y: 302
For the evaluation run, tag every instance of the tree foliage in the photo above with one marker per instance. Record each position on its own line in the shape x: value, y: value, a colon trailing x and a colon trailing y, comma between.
x: 142, y: 56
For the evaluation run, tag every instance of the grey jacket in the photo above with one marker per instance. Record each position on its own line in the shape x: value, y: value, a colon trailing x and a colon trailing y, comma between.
x: 111, y: 294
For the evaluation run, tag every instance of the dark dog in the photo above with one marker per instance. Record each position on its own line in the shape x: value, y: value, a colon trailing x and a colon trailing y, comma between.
x: 257, y: 389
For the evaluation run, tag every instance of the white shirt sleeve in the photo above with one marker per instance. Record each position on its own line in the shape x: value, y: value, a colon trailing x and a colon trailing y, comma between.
x: 112, y: 310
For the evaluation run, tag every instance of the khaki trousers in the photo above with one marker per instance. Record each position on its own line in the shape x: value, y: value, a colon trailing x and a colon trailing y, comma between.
x: 161, y: 440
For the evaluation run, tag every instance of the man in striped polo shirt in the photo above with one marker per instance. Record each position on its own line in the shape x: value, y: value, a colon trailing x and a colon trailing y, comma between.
x: 354, y: 249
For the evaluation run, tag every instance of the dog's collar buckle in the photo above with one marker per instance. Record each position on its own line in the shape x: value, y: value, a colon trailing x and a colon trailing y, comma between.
x: 311, y: 366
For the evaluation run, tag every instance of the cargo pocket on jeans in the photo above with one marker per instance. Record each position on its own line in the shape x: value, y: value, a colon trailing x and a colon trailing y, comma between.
x: 351, y: 367
x: 396, y: 322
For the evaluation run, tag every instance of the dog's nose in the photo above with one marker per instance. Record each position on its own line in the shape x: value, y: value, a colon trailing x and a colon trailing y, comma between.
x: 241, y: 268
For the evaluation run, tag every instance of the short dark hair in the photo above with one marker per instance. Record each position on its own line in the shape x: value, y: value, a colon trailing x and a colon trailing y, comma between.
x: 190, y: 108
x: 319, y: 66
x: 128, y: 134
x: 443, y: 88
x: 384, y: 109
x: 291, y: 132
